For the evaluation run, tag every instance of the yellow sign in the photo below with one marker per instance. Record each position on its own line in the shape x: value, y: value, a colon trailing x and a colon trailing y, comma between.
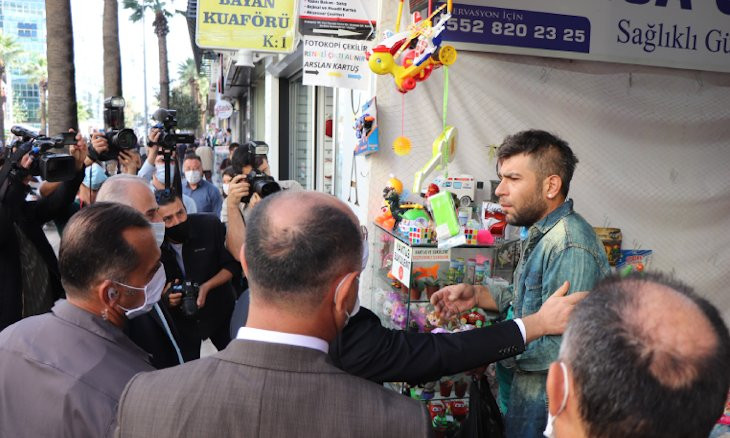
x: 259, y: 25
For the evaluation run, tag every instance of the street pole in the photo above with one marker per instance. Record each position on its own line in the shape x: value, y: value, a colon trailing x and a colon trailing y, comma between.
x: 144, y: 71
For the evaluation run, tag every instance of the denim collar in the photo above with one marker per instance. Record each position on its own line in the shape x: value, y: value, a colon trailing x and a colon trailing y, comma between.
x: 544, y: 225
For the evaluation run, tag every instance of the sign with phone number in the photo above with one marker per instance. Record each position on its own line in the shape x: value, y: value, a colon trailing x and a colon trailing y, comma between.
x: 512, y: 27
x: 677, y: 34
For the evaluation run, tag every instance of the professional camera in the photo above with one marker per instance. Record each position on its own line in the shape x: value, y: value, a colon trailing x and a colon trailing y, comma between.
x: 48, y: 165
x: 189, y: 303
x: 260, y: 182
x: 117, y: 136
x: 170, y: 137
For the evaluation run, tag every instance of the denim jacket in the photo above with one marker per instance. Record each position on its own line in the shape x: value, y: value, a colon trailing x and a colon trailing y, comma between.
x: 562, y: 246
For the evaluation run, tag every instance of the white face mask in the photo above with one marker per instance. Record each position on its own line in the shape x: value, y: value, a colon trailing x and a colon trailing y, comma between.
x: 549, y: 432
x: 365, y: 253
x: 159, y: 229
x: 355, y: 308
x: 193, y: 176
x: 160, y: 172
x: 225, y: 189
x: 152, y: 293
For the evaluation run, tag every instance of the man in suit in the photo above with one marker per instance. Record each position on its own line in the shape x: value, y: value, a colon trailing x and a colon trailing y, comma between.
x: 275, y: 379
x: 194, y: 251
x: 662, y: 370
x: 154, y: 331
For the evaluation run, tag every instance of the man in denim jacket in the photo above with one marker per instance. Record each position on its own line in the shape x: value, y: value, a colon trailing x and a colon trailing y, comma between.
x: 535, y: 169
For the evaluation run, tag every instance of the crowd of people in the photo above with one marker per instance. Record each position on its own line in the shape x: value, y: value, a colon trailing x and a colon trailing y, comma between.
x: 105, y: 339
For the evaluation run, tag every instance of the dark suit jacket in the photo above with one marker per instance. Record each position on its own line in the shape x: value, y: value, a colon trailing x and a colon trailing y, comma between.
x: 148, y: 332
x: 367, y: 349
x: 30, y: 217
x: 258, y: 389
x: 204, y: 255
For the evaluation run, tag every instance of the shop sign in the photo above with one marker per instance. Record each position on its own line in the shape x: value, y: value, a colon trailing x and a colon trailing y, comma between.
x: 333, y: 62
x: 401, y: 268
x: 353, y: 19
x: 668, y: 33
x: 223, y: 109
x: 259, y: 25
x: 431, y: 255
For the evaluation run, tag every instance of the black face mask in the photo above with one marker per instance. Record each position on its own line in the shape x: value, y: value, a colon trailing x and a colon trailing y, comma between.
x: 179, y: 233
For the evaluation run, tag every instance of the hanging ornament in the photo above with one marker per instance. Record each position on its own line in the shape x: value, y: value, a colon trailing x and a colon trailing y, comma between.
x: 402, y: 146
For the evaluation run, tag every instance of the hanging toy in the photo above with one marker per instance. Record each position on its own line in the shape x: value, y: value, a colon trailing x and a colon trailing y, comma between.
x: 410, y: 56
x: 402, y: 146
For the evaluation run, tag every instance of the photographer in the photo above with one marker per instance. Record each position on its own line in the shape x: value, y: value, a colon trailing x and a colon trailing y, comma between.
x: 28, y: 266
x: 153, y: 169
x: 198, y: 257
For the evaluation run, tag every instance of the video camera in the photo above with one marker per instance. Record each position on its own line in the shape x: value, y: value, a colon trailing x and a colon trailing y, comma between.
x: 117, y: 136
x: 169, y: 137
x: 189, y: 302
x: 260, y: 182
x: 48, y: 165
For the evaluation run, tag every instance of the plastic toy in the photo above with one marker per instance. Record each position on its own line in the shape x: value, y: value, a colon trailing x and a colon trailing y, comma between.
x: 463, y: 186
x: 395, y: 184
x: 410, y: 56
x: 432, y: 271
x: 474, y: 317
x: 444, y: 214
x: 458, y: 407
x: 443, y: 151
x: 435, y: 409
x: 402, y: 145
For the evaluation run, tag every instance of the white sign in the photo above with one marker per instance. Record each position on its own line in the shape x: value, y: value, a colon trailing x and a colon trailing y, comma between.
x: 669, y: 33
x: 332, y: 62
x: 431, y: 255
x: 223, y: 109
x: 353, y: 19
x: 401, y: 268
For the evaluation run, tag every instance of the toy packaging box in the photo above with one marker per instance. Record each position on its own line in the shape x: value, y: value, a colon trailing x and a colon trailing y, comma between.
x: 366, y: 129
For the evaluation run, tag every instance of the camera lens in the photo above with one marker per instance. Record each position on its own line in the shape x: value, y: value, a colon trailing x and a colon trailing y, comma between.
x: 125, y: 139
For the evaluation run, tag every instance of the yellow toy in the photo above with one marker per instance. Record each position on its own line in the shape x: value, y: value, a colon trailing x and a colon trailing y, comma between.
x: 443, y: 151
x: 410, y: 56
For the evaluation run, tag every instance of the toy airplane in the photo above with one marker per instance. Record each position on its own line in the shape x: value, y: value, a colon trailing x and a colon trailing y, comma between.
x: 421, y: 51
x: 443, y: 150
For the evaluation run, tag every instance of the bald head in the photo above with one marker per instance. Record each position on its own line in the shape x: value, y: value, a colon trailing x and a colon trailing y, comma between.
x: 649, y: 358
x: 297, y: 244
x: 130, y: 190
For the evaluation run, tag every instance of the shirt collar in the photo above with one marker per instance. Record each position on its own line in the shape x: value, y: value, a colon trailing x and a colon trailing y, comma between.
x: 254, y: 334
x: 544, y: 225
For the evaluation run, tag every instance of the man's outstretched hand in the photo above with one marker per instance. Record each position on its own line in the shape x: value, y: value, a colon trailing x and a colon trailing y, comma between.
x: 552, y: 318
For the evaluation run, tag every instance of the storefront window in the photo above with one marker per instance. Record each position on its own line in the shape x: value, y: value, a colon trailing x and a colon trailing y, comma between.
x: 301, y: 140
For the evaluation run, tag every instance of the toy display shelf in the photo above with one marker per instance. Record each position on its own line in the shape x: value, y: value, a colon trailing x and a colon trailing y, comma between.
x: 499, y: 242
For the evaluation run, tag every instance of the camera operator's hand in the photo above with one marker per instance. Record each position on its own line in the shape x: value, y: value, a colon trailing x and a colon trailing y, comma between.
x: 238, y: 188
x: 203, y: 294
x: 126, y: 159
x: 255, y: 198
x: 79, y: 150
x: 99, y: 143
x: 173, y: 298
x: 26, y: 161
x: 152, y: 138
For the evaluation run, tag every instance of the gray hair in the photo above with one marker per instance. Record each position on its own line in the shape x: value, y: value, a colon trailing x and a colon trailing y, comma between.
x: 116, y: 188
